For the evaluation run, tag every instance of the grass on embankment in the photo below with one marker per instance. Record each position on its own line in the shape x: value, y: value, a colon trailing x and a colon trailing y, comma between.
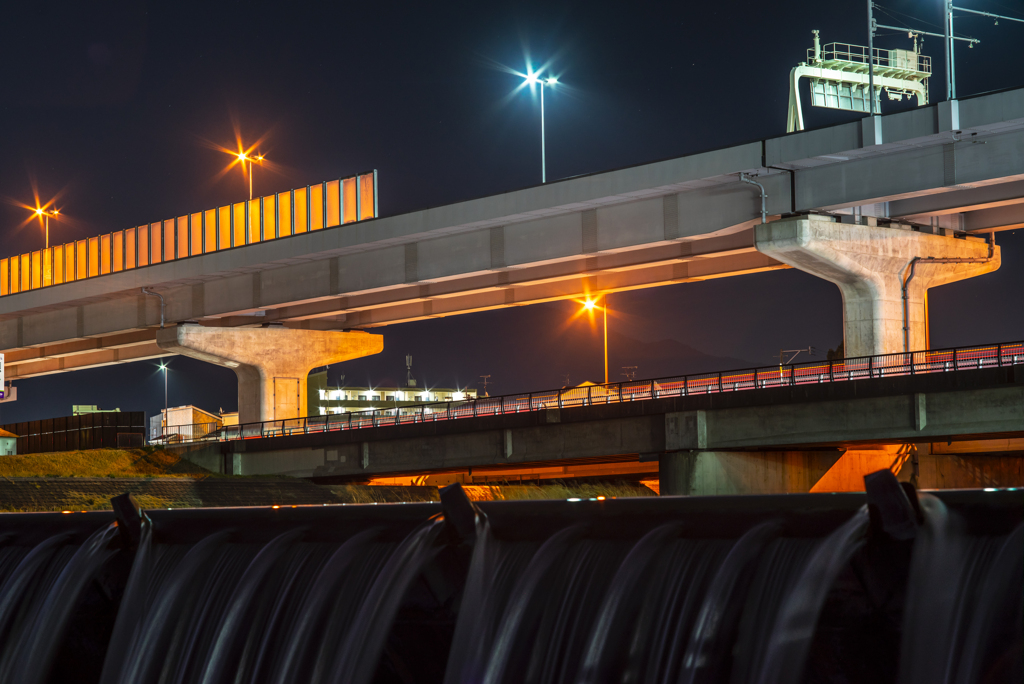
x: 561, y: 489
x: 146, y: 462
x: 564, y: 489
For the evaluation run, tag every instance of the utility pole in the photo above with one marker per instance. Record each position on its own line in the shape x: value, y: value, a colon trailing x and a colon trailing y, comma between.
x: 871, y: 57
x: 409, y: 380
x: 783, y: 361
x: 604, y: 310
x: 543, y: 159
x: 485, y: 379
x: 947, y: 29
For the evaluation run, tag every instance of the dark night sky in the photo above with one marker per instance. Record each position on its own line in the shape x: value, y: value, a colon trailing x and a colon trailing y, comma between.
x: 113, y: 106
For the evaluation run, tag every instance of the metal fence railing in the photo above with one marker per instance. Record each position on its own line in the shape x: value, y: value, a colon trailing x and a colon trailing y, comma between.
x: 814, y: 372
x: 858, y: 54
x: 176, y: 434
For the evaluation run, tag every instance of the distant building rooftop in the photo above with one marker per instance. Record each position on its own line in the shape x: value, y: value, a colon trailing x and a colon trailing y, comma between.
x: 82, y: 409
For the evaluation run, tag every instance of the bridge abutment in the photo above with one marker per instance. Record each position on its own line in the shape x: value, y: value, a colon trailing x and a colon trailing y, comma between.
x: 271, y: 363
x: 884, y: 274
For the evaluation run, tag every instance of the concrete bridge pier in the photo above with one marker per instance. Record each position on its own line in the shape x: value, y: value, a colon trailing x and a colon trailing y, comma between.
x: 271, y: 363
x: 884, y: 273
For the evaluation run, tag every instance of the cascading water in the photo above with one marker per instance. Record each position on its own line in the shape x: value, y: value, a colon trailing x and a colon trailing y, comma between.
x: 666, y: 608
x: 744, y: 590
x: 292, y: 609
x: 37, y: 599
x: 965, y: 610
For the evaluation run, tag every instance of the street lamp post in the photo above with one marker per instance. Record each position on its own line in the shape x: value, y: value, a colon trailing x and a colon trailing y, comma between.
x: 246, y: 159
x: 590, y: 305
x: 44, y: 216
x: 163, y: 367
x: 533, y: 79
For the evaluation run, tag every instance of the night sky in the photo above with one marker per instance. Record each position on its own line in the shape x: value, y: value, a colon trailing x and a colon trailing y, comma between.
x: 118, y: 109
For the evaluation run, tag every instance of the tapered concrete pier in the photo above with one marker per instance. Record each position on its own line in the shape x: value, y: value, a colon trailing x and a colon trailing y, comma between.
x: 271, y: 363
x: 884, y: 273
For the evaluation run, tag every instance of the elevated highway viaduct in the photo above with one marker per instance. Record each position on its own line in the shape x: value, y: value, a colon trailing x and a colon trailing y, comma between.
x: 814, y: 437
x: 929, y: 190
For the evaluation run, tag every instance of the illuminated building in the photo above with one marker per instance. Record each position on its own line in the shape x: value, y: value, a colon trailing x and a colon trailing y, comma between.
x: 325, y: 400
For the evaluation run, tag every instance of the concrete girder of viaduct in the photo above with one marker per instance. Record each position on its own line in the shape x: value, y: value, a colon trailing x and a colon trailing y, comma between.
x: 414, y: 302
x: 884, y: 274
x: 271, y: 363
x: 75, y: 354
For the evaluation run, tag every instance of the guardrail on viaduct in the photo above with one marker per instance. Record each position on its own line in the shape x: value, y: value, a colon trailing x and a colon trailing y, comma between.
x: 765, y: 377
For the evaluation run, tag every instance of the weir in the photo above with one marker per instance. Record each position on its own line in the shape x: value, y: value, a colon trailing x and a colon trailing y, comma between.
x: 760, y: 589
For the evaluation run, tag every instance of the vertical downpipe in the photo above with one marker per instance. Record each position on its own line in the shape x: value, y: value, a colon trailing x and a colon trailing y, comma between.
x: 764, y: 196
x: 157, y: 294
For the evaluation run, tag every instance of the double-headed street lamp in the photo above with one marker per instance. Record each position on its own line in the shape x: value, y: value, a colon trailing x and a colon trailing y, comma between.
x: 532, y: 80
x: 44, y: 218
x: 244, y: 158
x: 590, y: 305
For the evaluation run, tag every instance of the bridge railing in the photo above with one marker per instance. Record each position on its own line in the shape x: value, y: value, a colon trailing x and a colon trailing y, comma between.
x: 765, y: 377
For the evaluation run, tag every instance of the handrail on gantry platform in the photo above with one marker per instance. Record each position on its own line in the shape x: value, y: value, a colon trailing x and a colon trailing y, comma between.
x: 765, y: 377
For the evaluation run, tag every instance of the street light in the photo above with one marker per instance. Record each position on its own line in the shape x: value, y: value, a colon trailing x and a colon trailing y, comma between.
x: 163, y: 367
x: 44, y: 218
x: 532, y: 80
x: 590, y: 305
x: 244, y: 158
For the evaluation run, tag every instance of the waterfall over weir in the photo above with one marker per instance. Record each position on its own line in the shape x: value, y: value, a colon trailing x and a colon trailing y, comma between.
x: 761, y: 590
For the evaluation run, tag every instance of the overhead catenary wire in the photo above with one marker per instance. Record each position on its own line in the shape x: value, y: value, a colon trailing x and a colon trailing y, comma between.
x: 997, y: 17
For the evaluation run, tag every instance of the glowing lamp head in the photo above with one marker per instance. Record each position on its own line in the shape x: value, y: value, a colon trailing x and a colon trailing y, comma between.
x: 39, y: 212
x: 56, y: 211
x: 532, y: 79
x: 552, y: 81
x: 589, y: 305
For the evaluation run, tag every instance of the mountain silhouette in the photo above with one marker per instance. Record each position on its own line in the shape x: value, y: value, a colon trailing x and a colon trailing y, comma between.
x: 662, y: 358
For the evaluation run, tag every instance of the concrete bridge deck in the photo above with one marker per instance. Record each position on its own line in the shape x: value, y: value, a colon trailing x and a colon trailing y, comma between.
x: 672, y: 221
x: 803, y: 430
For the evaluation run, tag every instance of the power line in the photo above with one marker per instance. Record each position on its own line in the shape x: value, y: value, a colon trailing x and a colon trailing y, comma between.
x: 997, y: 17
x: 893, y: 13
